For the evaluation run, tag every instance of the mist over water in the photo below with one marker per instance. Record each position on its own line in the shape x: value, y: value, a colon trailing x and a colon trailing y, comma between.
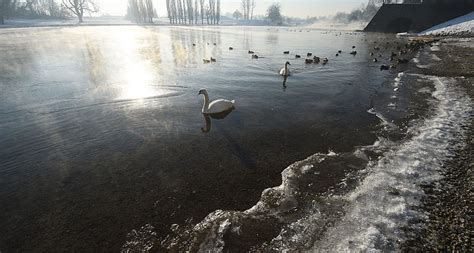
x: 102, y: 143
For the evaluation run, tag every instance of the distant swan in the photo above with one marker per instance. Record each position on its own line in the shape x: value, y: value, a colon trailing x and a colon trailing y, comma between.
x: 285, y: 71
x: 217, y: 106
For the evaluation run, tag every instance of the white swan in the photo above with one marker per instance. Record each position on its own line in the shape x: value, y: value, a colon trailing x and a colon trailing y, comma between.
x: 216, y: 106
x: 285, y: 71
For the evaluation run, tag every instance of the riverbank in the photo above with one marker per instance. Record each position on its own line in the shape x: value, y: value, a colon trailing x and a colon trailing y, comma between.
x: 448, y: 201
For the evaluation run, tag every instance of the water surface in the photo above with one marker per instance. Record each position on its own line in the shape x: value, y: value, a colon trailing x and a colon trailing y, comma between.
x: 101, y: 130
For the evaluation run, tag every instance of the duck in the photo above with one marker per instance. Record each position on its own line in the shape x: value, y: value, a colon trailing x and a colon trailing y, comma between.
x: 216, y: 106
x: 376, y: 60
x: 231, y: 48
x: 339, y: 52
x: 254, y: 56
x: 354, y: 52
x: 316, y: 59
x: 213, y: 60
x: 286, y: 52
x: 371, y: 54
x: 194, y: 44
x: 384, y: 67
x: 309, y: 54
x: 325, y: 61
x: 403, y: 61
x: 251, y: 52
x: 297, y: 56
x: 285, y: 71
x: 353, y: 47
x: 308, y: 61
x: 206, y: 61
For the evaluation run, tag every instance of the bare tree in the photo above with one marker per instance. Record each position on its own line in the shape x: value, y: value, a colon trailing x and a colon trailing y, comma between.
x: 185, y: 12
x: 202, y: 11
x: 218, y: 12
x: 248, y: 7
x: 211, y: 11
x: 252, y: 8
x: 245, y: 9
x: 274, y: 14
x: 190, y: 11
x: 5, y: 6
x: 168, y: 10
x: 141, y: 11
x: 174, y: 11
x: 237, y: 14
x: 78, y: 7
x: 150, y: 11
x: 180, y: 11
x: 196, y: 11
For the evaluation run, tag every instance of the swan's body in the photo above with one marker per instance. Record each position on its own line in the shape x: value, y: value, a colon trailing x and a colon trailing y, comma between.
x: 216, y: 106
x: 285, y: 71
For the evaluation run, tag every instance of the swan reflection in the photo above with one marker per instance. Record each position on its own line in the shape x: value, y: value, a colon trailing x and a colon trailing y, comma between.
x: 216, y: 116
x: 284, y: 82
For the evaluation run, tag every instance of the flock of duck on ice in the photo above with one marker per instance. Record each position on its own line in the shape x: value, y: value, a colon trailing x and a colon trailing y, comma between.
x: 220, y: 106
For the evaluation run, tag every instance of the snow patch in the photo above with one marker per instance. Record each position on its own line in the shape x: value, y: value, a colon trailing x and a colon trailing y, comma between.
x: 383, y: 204
x: 458, y: 25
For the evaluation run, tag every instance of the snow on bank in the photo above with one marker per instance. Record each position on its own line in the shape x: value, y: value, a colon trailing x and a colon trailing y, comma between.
x: 463, y: 24
x: 388, y: 197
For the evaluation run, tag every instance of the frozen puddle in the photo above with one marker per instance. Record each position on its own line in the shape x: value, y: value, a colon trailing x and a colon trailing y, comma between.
x: 367, y: 216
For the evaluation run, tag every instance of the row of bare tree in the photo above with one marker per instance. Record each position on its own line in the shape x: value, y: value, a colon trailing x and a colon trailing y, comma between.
x: 194, y: 11
x: 248, y: 6
x: 141, y: 11
x: 46, y: 8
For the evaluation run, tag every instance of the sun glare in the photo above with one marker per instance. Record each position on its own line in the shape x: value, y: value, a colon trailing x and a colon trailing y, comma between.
x: 136, y: 75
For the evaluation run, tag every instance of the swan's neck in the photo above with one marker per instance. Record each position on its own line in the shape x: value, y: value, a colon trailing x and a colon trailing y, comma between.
x: 286, y: 68
x: 205, y: 107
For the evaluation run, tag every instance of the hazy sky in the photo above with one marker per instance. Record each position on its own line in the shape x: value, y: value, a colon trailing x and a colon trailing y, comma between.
x: 293, y: 8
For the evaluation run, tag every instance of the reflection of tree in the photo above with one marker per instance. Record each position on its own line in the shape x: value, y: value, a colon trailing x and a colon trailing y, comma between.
x: 152, y: 50
x: 95, y: 62
x: 272, y: 38
x: 185, y: 53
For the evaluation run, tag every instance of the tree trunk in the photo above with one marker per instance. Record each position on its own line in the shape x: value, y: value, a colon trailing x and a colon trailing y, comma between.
x: 2, y: 20
x: 80, y: 18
